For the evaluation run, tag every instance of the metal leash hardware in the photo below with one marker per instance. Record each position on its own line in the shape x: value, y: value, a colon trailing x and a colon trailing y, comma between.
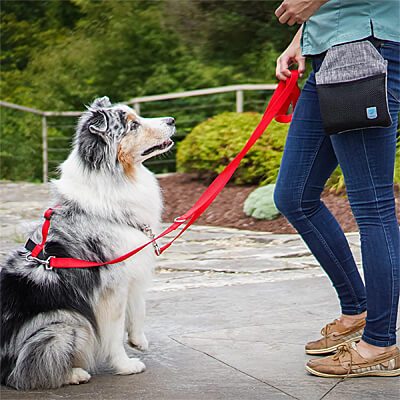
x: 149, y: 233
x: 45, y: 263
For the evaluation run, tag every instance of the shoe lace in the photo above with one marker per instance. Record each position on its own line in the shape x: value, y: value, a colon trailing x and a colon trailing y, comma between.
x: 342, y: 350
x: 326, y: 329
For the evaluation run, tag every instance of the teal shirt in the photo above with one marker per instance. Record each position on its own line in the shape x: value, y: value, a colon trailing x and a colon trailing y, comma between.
x: 342, y: 21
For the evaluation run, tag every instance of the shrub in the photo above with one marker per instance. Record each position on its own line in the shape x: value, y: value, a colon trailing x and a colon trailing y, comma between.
x: 215, y: 142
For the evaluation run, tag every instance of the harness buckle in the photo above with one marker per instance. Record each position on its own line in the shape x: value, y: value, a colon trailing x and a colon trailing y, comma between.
x: 180, y: 220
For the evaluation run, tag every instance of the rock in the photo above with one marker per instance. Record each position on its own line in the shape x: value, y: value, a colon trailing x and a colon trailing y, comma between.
x: 260, y: 203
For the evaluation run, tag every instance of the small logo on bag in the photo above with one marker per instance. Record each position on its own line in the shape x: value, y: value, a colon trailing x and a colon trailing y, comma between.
x: 372, y: 113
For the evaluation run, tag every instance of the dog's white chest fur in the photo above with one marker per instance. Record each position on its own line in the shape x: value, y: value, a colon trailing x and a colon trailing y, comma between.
x: 114, y: 197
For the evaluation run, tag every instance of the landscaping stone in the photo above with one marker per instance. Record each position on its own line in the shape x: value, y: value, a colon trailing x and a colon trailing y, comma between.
x: 260, y: 203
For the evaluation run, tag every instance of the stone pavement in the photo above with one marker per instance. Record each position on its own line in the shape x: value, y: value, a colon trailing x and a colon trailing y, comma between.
x: 228, y: 316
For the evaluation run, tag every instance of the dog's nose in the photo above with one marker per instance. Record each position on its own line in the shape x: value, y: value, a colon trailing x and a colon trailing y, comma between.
x: 171, y: 121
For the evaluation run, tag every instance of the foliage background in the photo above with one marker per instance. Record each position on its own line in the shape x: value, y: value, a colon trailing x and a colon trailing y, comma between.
x: 60, y: 55
x: 214, y: 143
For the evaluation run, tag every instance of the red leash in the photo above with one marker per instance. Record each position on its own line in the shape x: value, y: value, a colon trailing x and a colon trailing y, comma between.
x: 285, y: 94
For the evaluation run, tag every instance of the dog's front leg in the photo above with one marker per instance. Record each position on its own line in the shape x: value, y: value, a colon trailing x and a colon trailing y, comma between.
x: 136, y: 313
x: 111, y: 321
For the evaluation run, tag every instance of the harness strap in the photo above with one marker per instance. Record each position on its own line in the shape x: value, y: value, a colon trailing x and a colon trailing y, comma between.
x: 286, y: 94
x: 36, y: 250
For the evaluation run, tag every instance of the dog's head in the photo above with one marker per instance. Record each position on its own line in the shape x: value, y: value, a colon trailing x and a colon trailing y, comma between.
x: 113, y: 136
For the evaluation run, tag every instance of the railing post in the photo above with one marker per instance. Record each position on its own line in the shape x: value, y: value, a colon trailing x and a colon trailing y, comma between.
x: 44, y: 149
x: 239, y: 101
x: 136, y: 106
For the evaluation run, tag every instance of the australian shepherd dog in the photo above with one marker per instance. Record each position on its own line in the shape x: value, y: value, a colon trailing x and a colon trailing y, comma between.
x: 58, y: 325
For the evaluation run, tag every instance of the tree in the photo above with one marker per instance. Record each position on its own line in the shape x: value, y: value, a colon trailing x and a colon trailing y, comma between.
x: 59, y: 55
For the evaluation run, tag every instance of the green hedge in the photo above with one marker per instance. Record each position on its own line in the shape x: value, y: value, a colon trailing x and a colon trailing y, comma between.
x: 215, y: 142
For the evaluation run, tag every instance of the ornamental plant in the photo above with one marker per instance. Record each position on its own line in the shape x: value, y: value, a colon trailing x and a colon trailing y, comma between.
x: 214, y: 143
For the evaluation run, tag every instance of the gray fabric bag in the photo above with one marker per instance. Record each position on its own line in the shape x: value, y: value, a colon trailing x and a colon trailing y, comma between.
x: 351, y: 86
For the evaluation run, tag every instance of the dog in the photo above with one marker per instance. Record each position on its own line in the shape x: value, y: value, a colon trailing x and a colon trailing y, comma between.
x: 58, y: 325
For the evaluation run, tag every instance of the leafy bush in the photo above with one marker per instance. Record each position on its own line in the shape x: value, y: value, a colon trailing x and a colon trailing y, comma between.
x: 260, y: 203
x: 214, y: 143
x: 60, y: 55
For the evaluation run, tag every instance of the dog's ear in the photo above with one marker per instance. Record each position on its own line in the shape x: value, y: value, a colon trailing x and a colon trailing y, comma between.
x: 100, y: 102
x: 98, y: 123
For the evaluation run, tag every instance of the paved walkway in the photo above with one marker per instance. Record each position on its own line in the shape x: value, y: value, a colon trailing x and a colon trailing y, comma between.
x: 228, y: 316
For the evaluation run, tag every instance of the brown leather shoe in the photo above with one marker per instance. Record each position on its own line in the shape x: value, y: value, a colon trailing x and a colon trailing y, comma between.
x: 335, y: 334
x: 347, y: 362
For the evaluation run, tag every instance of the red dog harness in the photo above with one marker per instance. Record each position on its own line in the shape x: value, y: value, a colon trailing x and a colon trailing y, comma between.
x: 286, y: 94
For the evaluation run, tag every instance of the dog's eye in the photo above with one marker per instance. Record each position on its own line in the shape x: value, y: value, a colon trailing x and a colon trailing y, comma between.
x: 134, y: 125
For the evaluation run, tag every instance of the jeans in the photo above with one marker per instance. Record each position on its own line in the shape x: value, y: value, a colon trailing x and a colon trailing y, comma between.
x: 367, y: 158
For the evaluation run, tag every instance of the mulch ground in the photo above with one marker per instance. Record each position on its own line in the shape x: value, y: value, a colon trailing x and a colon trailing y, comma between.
x: 180, y: 192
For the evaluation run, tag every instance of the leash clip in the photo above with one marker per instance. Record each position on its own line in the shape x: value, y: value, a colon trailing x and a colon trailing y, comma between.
x: 180, y: 220
x: 156, y: 248
x: 45, y: 263
x: 149, y: 233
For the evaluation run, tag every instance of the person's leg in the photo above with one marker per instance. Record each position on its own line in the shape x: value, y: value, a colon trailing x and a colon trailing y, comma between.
x: 367, y: 158
x: 308, y: 161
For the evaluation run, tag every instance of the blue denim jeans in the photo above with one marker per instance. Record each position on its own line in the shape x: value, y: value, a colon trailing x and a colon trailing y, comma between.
x: 367, y: 160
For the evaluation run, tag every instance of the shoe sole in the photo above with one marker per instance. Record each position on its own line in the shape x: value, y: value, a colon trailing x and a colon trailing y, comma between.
x: 391, y: 373
x: 333, y: 348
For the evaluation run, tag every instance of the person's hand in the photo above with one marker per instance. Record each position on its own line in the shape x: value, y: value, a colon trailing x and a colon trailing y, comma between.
x: 290, y: 56
x: 297, y: 11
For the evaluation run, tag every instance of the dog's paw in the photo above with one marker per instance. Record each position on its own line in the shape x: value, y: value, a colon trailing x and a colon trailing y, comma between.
x: 131, y: 366
x: 139, y: 342
x: 78, y: 375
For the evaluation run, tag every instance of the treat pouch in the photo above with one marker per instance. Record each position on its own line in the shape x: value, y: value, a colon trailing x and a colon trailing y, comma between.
x: 351, y: 87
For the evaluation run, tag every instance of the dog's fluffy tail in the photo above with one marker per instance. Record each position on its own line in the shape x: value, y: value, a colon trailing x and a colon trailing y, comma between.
x: 47, y: 357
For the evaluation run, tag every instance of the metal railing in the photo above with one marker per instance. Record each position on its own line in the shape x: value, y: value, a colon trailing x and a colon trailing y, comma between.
x: 202, y: 92
x: 137, y: 102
